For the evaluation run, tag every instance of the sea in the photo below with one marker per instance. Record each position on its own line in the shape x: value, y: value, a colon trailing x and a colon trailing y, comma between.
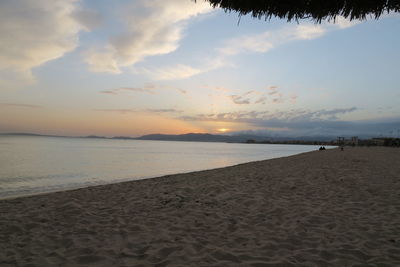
x: 37, y: 164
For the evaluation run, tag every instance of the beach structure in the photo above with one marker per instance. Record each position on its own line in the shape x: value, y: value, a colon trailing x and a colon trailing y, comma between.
x: 353, y: 141
x: 317, y: 10
x: 340, y: 140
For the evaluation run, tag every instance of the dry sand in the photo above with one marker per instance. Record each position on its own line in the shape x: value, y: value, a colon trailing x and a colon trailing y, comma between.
x: 324, y: 208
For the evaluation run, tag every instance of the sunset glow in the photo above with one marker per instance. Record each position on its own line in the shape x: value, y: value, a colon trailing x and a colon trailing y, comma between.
x: 137, y: 67
x: 223, y: 130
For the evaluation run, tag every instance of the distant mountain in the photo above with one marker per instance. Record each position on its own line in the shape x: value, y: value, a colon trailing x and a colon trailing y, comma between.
x: 24, y: 134
x: 204, y: 137
x: 193, y: 137
x: 95, y: 136
x: 123, y: 137
x: 32, y: 134
x: 245, y: 138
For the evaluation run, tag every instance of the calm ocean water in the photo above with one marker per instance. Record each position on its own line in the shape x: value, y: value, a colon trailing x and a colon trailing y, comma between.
x: 30, y: 165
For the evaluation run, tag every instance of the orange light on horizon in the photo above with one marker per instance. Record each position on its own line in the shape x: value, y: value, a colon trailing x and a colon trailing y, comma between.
x: 222, y: 130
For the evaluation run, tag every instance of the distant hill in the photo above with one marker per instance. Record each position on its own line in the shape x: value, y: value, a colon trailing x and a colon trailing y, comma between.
x: 32, y: 134
x: 193, y: 137
x: 205, y: 137
x: 200, y: 137
x: 23, y: 134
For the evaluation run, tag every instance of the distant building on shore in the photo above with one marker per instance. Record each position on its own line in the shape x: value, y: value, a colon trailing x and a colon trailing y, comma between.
x: 378, y: 141
x: 353, y: 141
x: 386, y: 141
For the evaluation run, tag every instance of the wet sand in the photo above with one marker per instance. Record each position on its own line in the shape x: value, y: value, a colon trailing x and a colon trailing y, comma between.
x: 323, y: 208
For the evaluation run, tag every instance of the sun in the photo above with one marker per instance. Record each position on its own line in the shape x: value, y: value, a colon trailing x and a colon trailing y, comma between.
x: 222, y: 130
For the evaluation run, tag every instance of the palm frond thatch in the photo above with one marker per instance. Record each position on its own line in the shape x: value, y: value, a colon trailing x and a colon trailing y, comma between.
x: 316, y: 10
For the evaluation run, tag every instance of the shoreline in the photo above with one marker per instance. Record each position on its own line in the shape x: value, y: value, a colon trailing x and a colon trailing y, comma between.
x: 139, y: 179
x: 319, y: 208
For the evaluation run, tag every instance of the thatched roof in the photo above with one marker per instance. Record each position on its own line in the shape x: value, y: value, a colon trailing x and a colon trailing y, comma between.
x: 316, y: 10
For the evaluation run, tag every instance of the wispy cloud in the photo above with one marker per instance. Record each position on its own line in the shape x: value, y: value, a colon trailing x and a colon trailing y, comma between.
x: 89, y: 19
x: 221, y: 89
x: 261, y: 97
x: 262, y: 100
x: 109, y: 92
x: 149, y: 89
x: 182, y: 91
x: 117, y: 110
x: 146, y: 89
x: 151, y: 27
x: 182, y: 71
x: 293, y: 98
x: 328, y: 128
x: 278, y: 99
x: 259, y: 117
x: 18, y: 105
x: 241, y: 99
x: 273, y: 90
x: 177, y: 72
x: 133, y: 110
x: 254, y: 43
x: 265, y: 41
x: 165, y: 110
x: 155, y: 27
x: 300, y: 122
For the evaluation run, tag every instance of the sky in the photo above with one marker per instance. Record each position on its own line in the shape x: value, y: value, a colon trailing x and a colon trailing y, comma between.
x: 135, y: 67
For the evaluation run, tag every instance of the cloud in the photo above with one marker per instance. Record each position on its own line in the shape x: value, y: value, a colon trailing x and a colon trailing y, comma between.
x: 243, y: 99
x: 121, y: 110
x: 330, y: 128
x: 261, y: 117
x: 89, y: 19
x: 146, y: 89
x: 240, y: 100
x: 151, y: 27
x: 149, y: 89
x: 238, y: 116
x: 128, y: 110
x: 101, y: 61
x: 332, y: 114
x: 293, y: 99
x: 182, y: 91
x: 265, y: 41
x: 110, y: 92
x: 304, y: 32
x: 261, y: 100
x: 344, y: 23
x: 33, y: 33
x: 182, y: 71
x: 218, y: 88
x: 273, y: 90
x: 278, y: 99
x: 176, y: 72
x: 254, y: 43
x: 273, y: 95
x: 303, y: 122
x: 18, y: 105
x: 165, y: 110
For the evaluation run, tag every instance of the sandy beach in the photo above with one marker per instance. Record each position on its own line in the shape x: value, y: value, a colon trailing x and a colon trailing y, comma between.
x: 323, y: 208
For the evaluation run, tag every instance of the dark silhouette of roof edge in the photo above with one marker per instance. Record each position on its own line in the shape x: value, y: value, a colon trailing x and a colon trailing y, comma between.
x: 316, y: 10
